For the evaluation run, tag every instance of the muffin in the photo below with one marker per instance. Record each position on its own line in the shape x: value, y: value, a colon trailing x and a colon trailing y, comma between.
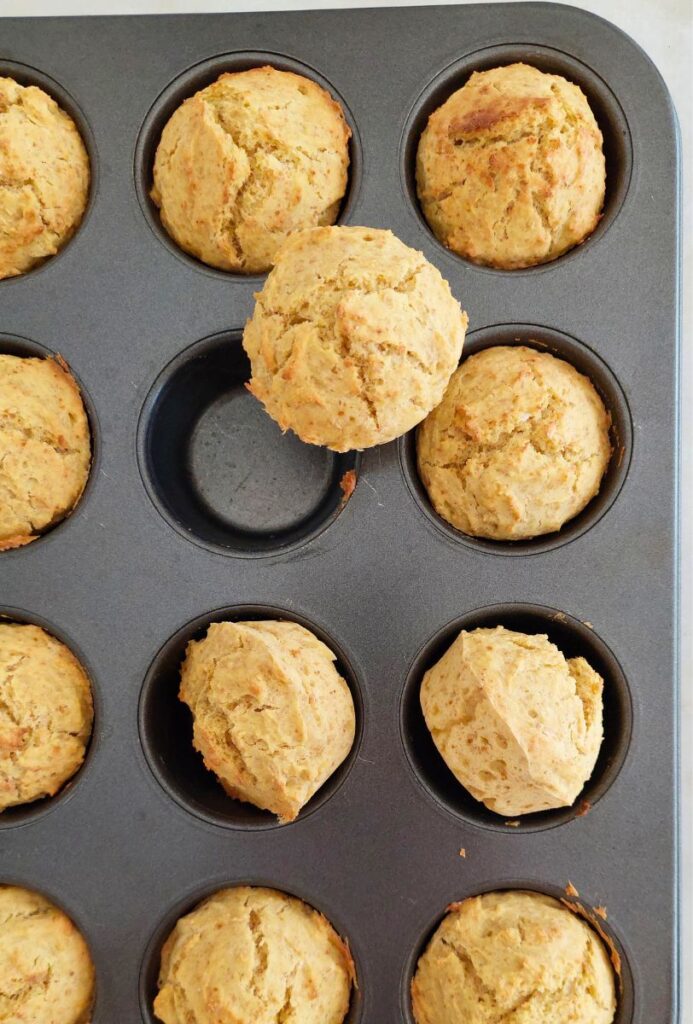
x: 510, y: 169
x: 46, y: 972
x: 518, y: 956
x: 45, y: 447
x: 46, y: 714
x: 254, y: 956
x: 44, y: 177
x: 245, y: 161
x: 517, y: 447
x: 273, y: 719
x: 353, y: 338
x: 518, y: 724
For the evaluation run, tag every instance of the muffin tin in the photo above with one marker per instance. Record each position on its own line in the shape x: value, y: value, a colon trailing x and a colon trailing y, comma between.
x: 197, y: 509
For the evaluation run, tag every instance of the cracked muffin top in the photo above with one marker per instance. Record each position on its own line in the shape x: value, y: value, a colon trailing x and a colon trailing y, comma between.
x: 510, y: 169
x: 353, y: 338
x: 517, y: 723
x: 45, y: 714
x: 245, y: 161
x: 517, y: 447
x: 515, y: 955
x: 46, y: 971
x: 273, y: 718
x: 44, y: 177
x: 254, y: 956
x: 45, y: 447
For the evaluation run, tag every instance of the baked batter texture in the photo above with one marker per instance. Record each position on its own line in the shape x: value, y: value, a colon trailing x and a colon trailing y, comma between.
x: 44, y: 177
x: 273, y: 718
x: 247, y: 160
x: 46, y: 714
x: 254, y: 956
x: 514, y: 956
x: 45, y: 447
x: 510, y: 169
x: 46, y: 971
x: 518, y: 724
x: 517, y: 447
x: 353, y: 338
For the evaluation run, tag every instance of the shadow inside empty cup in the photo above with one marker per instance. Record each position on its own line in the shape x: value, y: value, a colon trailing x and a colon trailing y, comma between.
x: 221, y: 470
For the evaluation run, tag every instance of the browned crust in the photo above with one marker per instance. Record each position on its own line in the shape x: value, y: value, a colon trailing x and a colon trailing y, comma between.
x: 59, y: 363
x: 9, y: 543
x: 494, y: 113
x: 343, y: 946
x: 315, y: 88
x: 62, y: 369
x: 594, y: 920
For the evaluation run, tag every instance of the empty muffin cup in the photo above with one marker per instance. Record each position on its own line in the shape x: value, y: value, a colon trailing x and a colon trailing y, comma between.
x: 221, y: 472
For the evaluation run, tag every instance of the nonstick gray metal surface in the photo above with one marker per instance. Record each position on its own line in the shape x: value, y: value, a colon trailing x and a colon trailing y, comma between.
x: 198, y: 509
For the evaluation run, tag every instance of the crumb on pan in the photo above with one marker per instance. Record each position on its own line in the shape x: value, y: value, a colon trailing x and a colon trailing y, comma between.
x: 348, y: 485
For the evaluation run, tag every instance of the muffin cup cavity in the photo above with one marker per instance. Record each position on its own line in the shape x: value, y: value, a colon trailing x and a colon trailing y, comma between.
x: 220, y: 470
x: 166, y: 728
x: 26, y: 75
x: 24, y: 814
x: 625, y: 985
x: 12, y: 345
x: 605, y: 106
x: 574, y: 639
x: 151, y: 960
x: 187, y: 84
x: 587, y: 362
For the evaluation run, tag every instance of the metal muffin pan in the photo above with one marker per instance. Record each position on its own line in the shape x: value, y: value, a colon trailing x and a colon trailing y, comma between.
x: 198, y: 508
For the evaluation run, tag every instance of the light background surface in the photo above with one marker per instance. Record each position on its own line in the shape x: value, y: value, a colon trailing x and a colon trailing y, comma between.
x: 664, y: 28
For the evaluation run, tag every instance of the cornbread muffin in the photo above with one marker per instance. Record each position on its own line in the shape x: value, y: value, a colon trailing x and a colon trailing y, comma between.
x: 240, y: 164
x: 44, y: 177
x: 519, y: 725
x: 510, y: 169
x: 46, y: 714
x: 353, y: 339
x: 46, y: 972
x: 514, y: 956
x: 273, y: 718
x: 45, y: 447
x: 517, y: 447
x: 254, y: 956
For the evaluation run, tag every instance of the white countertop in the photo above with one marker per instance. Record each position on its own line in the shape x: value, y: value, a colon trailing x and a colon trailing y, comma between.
x: 664, y: 28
